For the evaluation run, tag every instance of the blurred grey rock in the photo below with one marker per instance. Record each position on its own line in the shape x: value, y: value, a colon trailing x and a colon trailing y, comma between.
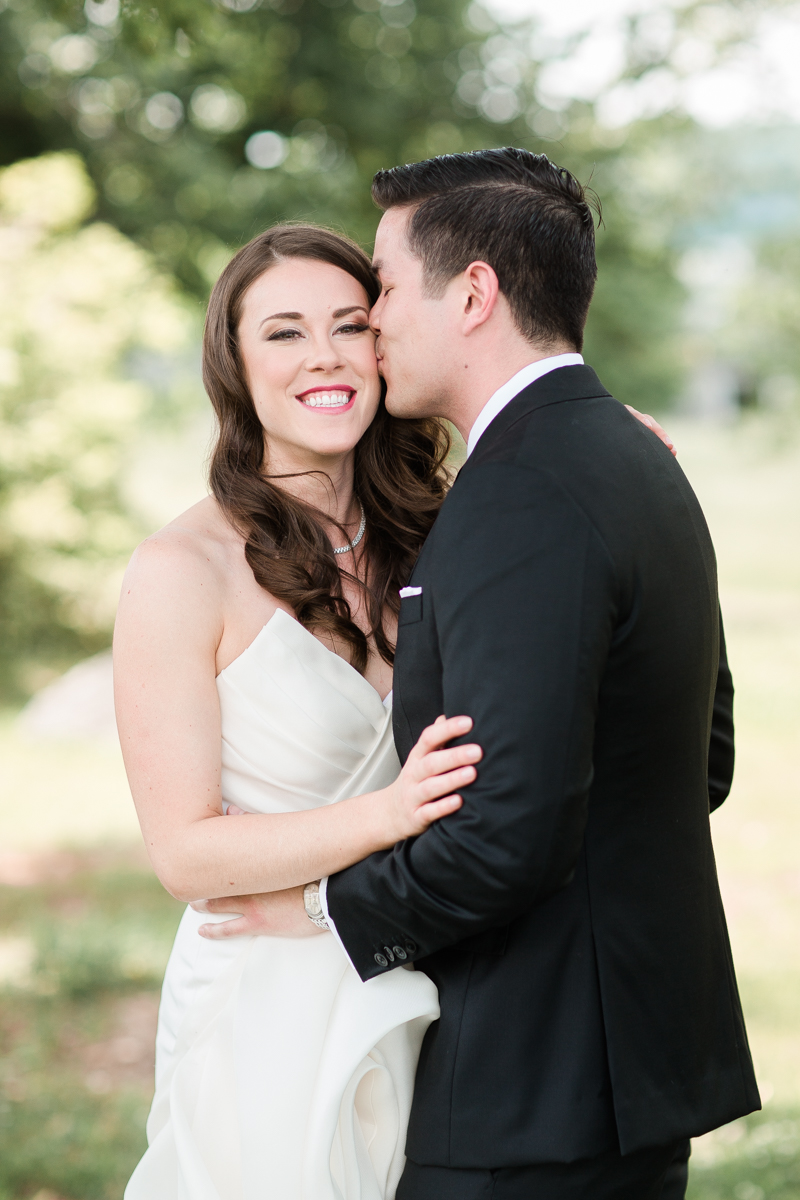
x: 78, y: 705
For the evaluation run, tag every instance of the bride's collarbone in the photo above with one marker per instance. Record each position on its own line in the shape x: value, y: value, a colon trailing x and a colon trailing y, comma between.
x: 247, y: 607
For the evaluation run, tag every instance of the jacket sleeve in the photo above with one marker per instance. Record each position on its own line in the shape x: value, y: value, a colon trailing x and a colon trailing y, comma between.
x: 721, y: 751
x: 529, y: 563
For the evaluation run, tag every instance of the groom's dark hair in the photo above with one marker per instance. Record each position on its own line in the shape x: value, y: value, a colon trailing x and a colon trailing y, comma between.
x: 528, y: 219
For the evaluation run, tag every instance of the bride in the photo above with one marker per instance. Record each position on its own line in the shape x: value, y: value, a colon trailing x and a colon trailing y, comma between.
x: 253, y: 662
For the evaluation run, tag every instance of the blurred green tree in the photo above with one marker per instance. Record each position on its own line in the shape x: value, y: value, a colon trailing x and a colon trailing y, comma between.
x: 761, y: 338
x: 77, y: 300
x: 199, y: 123
x: 203, y: 122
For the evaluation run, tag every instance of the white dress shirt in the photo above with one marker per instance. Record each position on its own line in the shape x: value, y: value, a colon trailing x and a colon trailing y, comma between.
x: 493, y: 406
x: 509, y: 391
x: 323, y: 899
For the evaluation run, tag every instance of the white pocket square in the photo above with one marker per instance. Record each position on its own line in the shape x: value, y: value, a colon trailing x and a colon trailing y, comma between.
x: 409, y: 591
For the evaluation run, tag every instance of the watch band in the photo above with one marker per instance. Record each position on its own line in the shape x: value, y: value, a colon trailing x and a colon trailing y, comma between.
x: 313, y: 905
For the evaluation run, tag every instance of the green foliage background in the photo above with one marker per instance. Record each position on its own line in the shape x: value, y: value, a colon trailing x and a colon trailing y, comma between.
x: 78, y: 302
x: 158, y: 101
x: 354, y: 85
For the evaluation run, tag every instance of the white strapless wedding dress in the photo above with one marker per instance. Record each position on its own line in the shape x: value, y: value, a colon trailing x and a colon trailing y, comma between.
x: 279, y: 1074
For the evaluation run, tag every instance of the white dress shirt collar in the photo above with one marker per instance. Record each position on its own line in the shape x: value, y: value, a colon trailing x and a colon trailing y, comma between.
x: 505, y: 394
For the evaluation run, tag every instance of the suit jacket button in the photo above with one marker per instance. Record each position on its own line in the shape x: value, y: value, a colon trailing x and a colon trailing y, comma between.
x: 381, y: 960
x: 388, y: 953
x: 399, y: 952
x: 411, y: 947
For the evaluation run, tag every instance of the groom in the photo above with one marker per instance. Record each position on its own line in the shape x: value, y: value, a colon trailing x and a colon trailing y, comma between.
x: 566, y: 599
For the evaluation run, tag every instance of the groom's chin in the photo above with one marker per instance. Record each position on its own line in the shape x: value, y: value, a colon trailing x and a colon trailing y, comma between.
x: 394, y: 404
x: 403, y: 402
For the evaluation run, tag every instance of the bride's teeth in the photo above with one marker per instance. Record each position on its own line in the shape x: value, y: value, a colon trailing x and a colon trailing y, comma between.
x: 327, y: 399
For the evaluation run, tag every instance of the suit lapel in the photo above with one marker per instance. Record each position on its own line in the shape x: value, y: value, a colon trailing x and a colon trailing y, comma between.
x: 563, y: 384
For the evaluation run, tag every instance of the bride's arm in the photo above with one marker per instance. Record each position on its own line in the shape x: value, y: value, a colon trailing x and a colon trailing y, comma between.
x: 168, y: 629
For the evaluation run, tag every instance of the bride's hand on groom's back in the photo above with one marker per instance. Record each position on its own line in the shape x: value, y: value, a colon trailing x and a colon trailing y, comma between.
x: 427, y: 787
x: 653, y: 424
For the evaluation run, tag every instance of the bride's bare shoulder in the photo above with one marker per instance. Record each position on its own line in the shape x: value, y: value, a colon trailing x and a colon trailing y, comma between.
x: 198, y: 548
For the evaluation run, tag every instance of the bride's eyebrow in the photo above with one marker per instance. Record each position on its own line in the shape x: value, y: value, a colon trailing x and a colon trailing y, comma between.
x: 288, y: 316
x: 343, y: 312
x: 296, y: 316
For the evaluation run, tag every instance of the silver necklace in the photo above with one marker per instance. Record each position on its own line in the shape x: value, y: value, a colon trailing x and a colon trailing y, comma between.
x: 352, y: 545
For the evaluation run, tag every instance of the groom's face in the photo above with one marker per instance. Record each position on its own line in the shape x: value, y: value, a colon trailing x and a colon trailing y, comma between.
x: 414, y: 330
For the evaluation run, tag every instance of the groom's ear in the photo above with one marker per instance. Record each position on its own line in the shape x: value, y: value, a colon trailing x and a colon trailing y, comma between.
x: 480, y: 292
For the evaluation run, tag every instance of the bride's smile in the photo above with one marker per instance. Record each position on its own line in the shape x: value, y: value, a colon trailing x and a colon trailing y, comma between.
x: 322, y: 399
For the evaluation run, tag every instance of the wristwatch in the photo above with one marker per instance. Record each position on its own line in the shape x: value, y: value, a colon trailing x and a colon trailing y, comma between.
x: 313, y: 905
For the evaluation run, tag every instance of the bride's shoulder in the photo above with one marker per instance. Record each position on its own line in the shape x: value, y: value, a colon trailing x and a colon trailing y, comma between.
x: 198, y: 547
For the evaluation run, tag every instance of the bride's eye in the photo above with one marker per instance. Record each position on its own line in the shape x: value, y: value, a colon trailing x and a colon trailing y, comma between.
x: 353, y: 327
x: 284, y: 335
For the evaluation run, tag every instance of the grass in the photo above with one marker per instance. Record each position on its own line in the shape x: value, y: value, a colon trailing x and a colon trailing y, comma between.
x: 748, y: 481
x: 85, y: 953
x: 84, y: 933
x: 757, y: 1158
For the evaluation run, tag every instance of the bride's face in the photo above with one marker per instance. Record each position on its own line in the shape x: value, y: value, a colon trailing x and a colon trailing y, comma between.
x: 309, y: 358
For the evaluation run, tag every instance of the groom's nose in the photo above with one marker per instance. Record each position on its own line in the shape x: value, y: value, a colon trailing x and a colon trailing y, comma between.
x: 374, y: 316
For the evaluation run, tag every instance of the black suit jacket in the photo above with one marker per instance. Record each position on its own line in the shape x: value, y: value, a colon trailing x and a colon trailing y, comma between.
x: 569, y: 912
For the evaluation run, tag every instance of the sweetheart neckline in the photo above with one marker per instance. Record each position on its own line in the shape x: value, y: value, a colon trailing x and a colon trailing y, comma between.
x: 321, y: 645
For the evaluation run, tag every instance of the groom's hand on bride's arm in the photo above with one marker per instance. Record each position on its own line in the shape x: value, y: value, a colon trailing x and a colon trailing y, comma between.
x: 422, y: 794
x: 270, y: 914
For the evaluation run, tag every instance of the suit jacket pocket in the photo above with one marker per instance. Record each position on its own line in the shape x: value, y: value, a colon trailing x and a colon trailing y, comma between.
x: 410, y: 610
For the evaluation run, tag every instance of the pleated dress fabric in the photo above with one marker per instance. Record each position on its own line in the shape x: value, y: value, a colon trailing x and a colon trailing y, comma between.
x: 279, y: 1074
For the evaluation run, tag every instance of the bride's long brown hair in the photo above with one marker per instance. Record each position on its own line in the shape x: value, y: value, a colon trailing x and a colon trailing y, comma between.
x: 400, y: 475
